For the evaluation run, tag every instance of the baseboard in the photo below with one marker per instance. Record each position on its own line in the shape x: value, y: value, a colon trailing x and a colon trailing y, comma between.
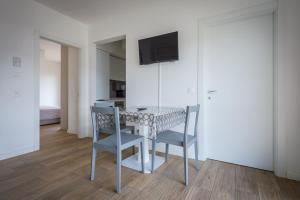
x: 18, y: 152
x: 293, y: 176
x: 71, y: 132
x: 280, y: 172
x: 78, y: 135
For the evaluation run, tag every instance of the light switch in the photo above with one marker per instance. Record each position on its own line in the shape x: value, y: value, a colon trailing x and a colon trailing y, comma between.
x: 16, y: 61
x: 191, y: 90
x: 16, y: 93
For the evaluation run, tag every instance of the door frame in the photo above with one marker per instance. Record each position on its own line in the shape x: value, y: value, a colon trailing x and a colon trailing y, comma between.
x: 37, y: 36
x: 238, y: 15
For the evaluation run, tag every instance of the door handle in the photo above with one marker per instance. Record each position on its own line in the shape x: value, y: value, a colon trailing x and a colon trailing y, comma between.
x: 211, y: 91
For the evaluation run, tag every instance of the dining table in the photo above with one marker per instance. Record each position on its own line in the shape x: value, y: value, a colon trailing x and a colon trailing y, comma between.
x: 148, y: 122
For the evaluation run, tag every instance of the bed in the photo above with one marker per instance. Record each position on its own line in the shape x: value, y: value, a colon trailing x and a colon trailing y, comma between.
x: 49, y: 115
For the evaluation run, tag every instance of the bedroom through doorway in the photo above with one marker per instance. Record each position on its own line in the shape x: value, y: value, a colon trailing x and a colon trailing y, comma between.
x: 58, y: 87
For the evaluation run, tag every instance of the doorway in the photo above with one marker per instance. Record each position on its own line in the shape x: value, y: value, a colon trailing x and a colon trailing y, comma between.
x: 58, y: 94
x: 238, y: 91
x: 111, y: 72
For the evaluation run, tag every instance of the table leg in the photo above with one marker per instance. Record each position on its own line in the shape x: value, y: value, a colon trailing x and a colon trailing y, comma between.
x: 134, y: 161
x: 145, y: 132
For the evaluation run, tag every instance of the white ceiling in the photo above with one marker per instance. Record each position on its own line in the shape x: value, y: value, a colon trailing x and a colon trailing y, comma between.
x: 89, y: 11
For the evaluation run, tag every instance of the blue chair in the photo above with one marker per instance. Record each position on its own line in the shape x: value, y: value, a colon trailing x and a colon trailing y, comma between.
x: 114, y: 143
x: 184, y: 140
x: 108, y: 130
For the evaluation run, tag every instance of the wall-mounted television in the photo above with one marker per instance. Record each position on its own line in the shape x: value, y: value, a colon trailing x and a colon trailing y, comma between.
x: 160, y: 48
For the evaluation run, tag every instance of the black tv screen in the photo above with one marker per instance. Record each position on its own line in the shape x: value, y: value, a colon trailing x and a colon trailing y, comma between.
x: 160, y: 48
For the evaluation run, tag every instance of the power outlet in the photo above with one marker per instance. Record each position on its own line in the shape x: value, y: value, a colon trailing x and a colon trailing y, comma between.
x: 16, y: 61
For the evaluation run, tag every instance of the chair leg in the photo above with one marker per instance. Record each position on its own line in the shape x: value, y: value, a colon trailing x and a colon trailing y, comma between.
x: 196, y: 156
x: 166, y: 152
x: 133, y: 147
x: 93, y: 163
x: 153, y: 154
x: 118, y: 172
x: 142, y: 156
x: 186, y: 166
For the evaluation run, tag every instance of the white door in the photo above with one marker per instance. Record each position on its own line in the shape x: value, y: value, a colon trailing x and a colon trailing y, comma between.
x: 238, y: 85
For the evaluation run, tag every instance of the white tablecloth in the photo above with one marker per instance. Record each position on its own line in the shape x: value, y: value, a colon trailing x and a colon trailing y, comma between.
x: 156, y: 118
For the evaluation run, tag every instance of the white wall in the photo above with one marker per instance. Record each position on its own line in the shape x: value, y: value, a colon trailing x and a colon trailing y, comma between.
x: 73, y: 65
x: 20, y: 23
x: 64, y: 88
x: 117, y: 69
x: 70, y: 89
x: 50, y: 72
x: 288, y: 89
x: 179, y: 79
x: 102, y: 75
x: 183, y: 71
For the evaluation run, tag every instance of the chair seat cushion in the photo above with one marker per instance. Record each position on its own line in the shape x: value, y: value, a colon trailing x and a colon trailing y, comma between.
x: 127, y: 129
x: 173, y: 137
x: 126, y: 140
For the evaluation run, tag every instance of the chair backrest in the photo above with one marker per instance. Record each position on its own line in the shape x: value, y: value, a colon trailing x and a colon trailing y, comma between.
x: 112, y: 111
x: 104, y: 104
x: 189, y: 110
x: 106, y: 127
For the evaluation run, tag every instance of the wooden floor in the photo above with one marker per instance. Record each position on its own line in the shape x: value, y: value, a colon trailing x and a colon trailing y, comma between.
x: 60, y: 170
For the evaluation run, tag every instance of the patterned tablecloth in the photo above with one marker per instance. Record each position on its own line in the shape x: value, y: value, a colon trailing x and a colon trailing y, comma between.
x: 156, y: 118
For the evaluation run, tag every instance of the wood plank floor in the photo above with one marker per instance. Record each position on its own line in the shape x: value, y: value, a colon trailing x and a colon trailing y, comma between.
x: 60, y: 170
